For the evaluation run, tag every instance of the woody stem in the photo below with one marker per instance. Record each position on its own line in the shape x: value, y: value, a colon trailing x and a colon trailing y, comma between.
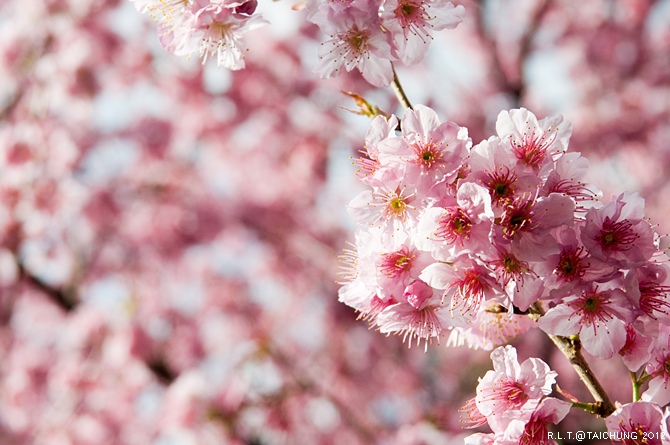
x: 399, y: 92
x: 572, y: 349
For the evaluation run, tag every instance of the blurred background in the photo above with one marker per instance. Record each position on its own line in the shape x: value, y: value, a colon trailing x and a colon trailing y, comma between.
x: 170, y: 231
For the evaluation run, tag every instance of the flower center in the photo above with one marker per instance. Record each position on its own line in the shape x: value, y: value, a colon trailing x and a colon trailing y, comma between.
x: 414, y: 18
x: 518, y: 217
x: 454, y: 226
x: 500, y: 184
x: 616, y: 236
x: 427, y: 155
x: 512, y: 392
x: 532, y: 149
x: 592, y: 308
x: 653, y: 298
x: 396, y: 263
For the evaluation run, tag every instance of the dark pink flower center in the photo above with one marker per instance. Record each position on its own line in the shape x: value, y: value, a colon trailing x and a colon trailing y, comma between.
x: 469, y: 292
x: 616, y: 236
x: 396, y: 263
x: 500, y: 183
x: 653, y: 298
x: 512, y: 392
x: 531, y: 149
x: 518, y: 217
x: 413, y: 17
x: 592, y: 308
x: 570, y: 265
x: 454, y: 225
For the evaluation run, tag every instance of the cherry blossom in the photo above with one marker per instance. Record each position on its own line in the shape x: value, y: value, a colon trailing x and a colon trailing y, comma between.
x: 513, y: 391
x: 638, y: 422
x: 599, y: 315
x: 412, y: 23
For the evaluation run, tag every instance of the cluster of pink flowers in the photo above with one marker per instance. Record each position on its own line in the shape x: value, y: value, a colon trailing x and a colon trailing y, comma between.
x: 368, y: 35
x: 463, y: 242
x: 212, y: 28
x: 514, y: 399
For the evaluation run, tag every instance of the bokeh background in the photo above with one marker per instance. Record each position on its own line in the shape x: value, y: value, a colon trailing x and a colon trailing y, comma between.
x: 170, y: 232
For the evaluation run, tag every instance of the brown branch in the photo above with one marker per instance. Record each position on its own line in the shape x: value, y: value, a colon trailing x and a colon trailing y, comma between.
x: 572, y: 349
x: 515, y: 88
x: 66, y: 299
x: 399, y: 92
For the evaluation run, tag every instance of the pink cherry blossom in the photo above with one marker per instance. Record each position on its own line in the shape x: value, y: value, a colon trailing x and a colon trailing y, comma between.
x: 356, y: 41
x: 412, y: 23
x: 636, y: 352
x: 648, y: 288
x: 419, y: 315
x: 618, y: 232
x: 634, y: 423
x: 494, y: 166
x: 535, y: 431
x: 429, y: 152
x: 467, y: 283
x: 599, y: 315
x: 463, y: 227
x: 512, y: 391
x: 659, y: 368
x: 534, y: 142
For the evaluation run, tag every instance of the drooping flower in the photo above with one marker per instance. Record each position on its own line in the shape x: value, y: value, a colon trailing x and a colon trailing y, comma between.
x: 412, y: 23
x: 511, y: 390
x: 636, y: 423
x: 467, y: 283
x: 380, y: 129
x: 535, y: 431
x: 357, y: 41
x: 637, y: 349
x: 659, y: 368
x: 648, y: 288
x: 419, y: 315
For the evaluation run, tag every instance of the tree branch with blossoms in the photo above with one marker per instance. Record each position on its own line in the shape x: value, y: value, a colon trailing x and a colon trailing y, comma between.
x: 451, y: 230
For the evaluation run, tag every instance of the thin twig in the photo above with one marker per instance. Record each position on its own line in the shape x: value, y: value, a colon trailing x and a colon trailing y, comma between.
x: 572, y: 349
x: 399, y: 92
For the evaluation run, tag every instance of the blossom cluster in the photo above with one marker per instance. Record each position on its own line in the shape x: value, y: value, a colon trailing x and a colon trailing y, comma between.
x: 463, y: 242
x: 368, y: 35
x: 212, y: 28
x: 514, y: 399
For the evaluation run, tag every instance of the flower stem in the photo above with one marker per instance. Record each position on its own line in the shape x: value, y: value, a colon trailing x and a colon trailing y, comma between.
x: 399, y: 92
x: 636, y: 386
x: 572, y: 349
x: 590, y: 407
